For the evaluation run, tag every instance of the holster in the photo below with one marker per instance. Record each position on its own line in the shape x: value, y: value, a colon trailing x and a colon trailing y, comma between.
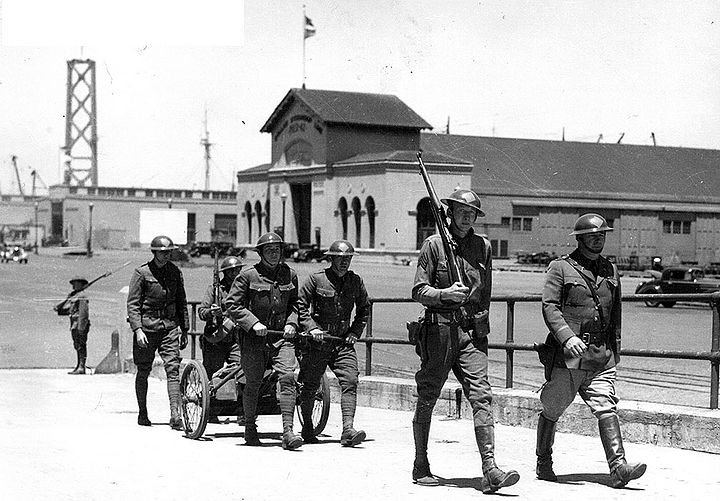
x: 546, y: 353
x: 481, y: 323
x: 416, y: 335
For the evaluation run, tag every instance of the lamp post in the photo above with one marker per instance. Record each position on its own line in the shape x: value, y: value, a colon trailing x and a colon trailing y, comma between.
x: 36, y: 227
x: 89, y: 240
x: 283, y: 197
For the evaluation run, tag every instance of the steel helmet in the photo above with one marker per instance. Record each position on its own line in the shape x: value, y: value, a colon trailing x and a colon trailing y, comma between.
x: 230, y: 262
x: 590, y: 223
x: 78, y: 278
x: 268, y: 238
x: 162, y: 243
x: 341, y: 248
x: 465, y: 197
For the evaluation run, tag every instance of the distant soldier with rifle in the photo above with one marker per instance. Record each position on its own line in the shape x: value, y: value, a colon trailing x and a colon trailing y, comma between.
x: 77, y: 307
x: 264, y: 297
x: 219, y: 342
x: 157, y: 312
x: 326, y: 303
x: 453, y: 281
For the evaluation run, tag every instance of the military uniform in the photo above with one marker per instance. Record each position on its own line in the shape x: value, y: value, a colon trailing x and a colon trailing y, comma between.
x: 326, y: 302
x: 581, y: 299
x: 78, y: 308
x: 268, y: 296
x: 227, y: 349
x: 157, y: 304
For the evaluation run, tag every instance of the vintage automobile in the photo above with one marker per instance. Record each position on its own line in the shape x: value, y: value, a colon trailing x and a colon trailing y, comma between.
x: 678, y: 280
x: 307, y: 254
x: 15, y: 254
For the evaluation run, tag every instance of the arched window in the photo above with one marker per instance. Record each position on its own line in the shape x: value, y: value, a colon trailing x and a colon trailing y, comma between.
x: 370, y: 208
x: 248, y: 216
x: 343, y: 210
x: 425, y: 221
x: 357, y: 215
x: 258, y: 213
x: 267, y: 215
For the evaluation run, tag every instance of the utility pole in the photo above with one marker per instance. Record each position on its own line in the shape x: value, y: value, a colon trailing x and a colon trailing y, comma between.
x: 205, y: 142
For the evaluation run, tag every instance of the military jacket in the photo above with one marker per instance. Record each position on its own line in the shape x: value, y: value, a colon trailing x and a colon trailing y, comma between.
x: 475, y: 259
x: 326, y: 301
x: 78, y: 308
x: 156, y: 299
x: 569, y: 309
x: 260, y: 294
x: 209, y: 299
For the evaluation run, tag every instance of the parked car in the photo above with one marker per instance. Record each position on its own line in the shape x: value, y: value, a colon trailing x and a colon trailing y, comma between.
x: 307, y: 254
x: 15, y: 254
x: 542, y: 258
x: 678, y: 280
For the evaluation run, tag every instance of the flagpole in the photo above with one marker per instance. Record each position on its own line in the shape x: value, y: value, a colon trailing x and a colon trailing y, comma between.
x: 304, y: 38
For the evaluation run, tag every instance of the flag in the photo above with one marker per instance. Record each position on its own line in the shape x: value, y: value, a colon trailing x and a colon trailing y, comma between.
x: 309, y: 28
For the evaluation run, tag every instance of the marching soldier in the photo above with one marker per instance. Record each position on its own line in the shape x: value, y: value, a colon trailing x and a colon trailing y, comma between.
x: 78, y: 308
x: 326, y: 302
x: 581, y: 305
x: 157, y: 312
x: 265, y: 297
x: 454, y: 336
x: 219, y: 346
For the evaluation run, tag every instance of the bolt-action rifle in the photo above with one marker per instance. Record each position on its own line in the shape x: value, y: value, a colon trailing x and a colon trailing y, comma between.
x: 214, y: 330
x: 60, y: 308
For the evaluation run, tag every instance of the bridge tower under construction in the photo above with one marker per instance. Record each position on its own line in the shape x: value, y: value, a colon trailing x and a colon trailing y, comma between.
x: 80, y: 148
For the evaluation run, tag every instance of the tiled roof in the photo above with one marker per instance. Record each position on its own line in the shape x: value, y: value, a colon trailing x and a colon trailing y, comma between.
x: 352, y: 108
x: 536, y: 167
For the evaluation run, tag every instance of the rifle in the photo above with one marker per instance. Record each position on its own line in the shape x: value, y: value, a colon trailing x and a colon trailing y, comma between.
x: 448, y: 242
x: 62, y: 304
x: 214, y: 330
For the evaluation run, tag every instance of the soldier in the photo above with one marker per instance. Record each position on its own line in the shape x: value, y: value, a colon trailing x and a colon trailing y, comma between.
x: 265, y: 297
x: 326, y: 302
x: 216, y: 350
x: 78, y: 308
x: 581, y: 306
x: 157, y: 312
x: 454, y: 336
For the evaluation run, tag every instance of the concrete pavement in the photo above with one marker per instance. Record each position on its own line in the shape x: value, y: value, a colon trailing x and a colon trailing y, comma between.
x: 75, y: 437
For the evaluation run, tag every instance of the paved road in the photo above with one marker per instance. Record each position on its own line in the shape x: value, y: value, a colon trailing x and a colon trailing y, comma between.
x: 75, y: 437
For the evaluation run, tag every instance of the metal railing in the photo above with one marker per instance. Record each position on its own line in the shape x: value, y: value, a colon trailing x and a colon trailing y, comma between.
x: 510, y: 347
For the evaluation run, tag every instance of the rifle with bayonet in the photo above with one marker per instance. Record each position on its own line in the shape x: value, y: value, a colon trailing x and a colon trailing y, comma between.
x: 62, y: 305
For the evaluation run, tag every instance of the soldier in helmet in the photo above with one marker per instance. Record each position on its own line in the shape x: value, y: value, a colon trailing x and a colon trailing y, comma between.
x: 78, y: 308
x: 454, y: 336
x: 326, y: 302
x: 157, y: 312
x: 264, y: 297
x: 581, y: 306
x: 220, y: 346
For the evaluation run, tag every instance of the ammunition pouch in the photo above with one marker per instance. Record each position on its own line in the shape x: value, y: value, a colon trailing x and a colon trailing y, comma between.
x: 481, y: 323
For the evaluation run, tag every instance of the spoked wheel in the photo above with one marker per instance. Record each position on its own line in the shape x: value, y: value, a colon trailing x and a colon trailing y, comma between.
x: 321, y: 406
x: 195, y: 390
x: 652, y: 304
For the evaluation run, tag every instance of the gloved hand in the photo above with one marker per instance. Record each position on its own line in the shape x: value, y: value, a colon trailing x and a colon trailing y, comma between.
x: 183, y: 340
x: 260, y: 329
x: 316, y: 334
x: 456, y: 293
x: 289, y: 331
x: 574, y: 347
x: 215, y: 310
x: 351, y: 339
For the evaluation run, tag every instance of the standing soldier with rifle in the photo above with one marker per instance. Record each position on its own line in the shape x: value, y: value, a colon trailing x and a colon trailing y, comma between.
x: 157, y: 312
x: 453, y: 281
x: 326, y: 302
x: 76, y: 305
x: 219, y: 342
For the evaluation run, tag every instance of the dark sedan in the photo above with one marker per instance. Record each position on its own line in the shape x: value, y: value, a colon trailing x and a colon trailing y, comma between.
x: 678, y: 280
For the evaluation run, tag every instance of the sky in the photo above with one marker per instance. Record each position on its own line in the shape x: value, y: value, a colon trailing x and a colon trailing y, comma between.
x: 523, y: 69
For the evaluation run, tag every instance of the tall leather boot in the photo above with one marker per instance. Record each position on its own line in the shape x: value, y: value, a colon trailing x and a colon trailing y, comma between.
x: 287, y: 400
x: 543, y: 449
x: 77, y: 363
x: 176, y: 422
x: 421, y: 467
x: 80, y: 369
x: 621, y: 472
x: 141, y: 387
x: 308, y: 430
x: 493, y: 477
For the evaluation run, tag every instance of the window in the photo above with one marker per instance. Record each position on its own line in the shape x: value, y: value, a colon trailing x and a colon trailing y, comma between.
x: 519, y: 223
x: 677, y: 227
x: 505, y: 221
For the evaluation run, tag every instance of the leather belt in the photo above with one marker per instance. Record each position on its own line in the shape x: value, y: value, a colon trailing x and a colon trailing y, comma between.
x: 450, y: 317
x: 596, y: 338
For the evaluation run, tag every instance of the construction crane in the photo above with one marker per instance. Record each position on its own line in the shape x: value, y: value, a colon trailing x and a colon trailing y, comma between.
x: 17, y: 174
x: 36, y: 177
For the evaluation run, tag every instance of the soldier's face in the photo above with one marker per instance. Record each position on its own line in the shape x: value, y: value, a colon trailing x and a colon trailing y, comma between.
x: 340, y: 264
x: 232, y: 273
x: 463, y: 217
x: 162, y: 257
x: 271, y: 254
x: 592, y: 242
